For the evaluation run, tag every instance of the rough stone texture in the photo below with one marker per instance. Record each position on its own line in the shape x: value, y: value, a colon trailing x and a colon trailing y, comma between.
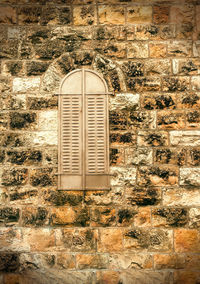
x: 145, y: 229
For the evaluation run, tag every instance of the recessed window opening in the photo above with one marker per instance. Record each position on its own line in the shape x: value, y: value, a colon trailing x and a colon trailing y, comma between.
x: 83, y: 132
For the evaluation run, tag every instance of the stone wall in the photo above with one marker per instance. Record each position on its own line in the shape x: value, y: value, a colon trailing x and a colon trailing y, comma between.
x: 146, y: 229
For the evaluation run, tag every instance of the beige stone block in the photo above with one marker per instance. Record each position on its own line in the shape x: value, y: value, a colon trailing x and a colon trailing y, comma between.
x: 137, y: 50
x: 111, y: 15
x: 124, y: 101
x: 48, y: 120
x: 143, y: 217
x: 190, y: 176
x: 130, y: 261
x: 26, y: 85
x: 195, y: 82
x: 84, y: 15
x: 182, y: 14
x: 181, y: 197
x: 186, y: 277
x: 39, y: 239
x: 92, y: 261
x: 139, y: 14
x: 110, y: 240
x: 187, y: 240
x: 185, y: 138
x: 123, y: 176
x: 194, y: 218
x: 8, y: 15
x: 157, y: 50
x: 42, y: 138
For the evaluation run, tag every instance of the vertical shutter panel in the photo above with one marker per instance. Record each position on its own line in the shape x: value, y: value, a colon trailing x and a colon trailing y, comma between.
x: 71, y: 142
x: 83, y: 151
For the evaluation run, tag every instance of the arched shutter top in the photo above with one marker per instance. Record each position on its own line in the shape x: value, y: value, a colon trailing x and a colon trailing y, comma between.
x: 83, y: 132
x: 93, y: 84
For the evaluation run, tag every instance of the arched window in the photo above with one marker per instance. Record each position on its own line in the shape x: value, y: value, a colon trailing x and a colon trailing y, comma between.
x: 83, y: 132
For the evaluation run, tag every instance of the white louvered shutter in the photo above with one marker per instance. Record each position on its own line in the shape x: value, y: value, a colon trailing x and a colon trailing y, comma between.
x: 83, y: 132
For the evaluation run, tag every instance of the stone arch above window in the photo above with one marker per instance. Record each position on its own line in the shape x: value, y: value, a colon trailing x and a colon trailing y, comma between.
x: 83, y: 131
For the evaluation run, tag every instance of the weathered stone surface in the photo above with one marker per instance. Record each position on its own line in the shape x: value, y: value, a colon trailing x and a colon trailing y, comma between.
x: 161, y: 14
x: 130, y: 261
x: 171, y: 120
x: 11, y: 240
x: 110, y: 240
x: 157, y: 50
x: 125, y: 216
x: 103, y: 217
x: 118, y: 120
x: 23, y: 195
x: 154, y: 67
x: 158, y: 101
x: 186, y: 277
x: 192, y: 119
x: 36, y: 68
x: 158, y: 176
x: 14, y: 68
x: 187, y: 240
x: 9, y: 262
x: 8, y: 49
x: 170, y: 156
x: 25, y: 120
x: 116, y: 157
x: 182, y: 14
x: 44, y: 138
x: 42, y: 177
x: 8, y: 15
x: 34, y: 216
x: 84, y: 15
x: 185, y: 138
x: 61, y: 198
x: 113, y: 32
x: 195, y: 83
x: 137, y: 50
x: 181, y: 197
x: 17, y: 102
x: 86, y: 261
x: 194, y: 218
x: 29, y: 15
x: 169, y: 217
x: 123, y: 176
x: 129, y: 102
x: 14, y: 177
x: 44, y: 102
x: 56, y: 16
x: 143, y: 196
x: 48, y: 120
x: 111, y: 15
x: 24, y: 85
x: 190, y: 176
x: 152, y: 138
x: 166, y: 261
x: 191, y: 101
x: 142, y: 120
x: 194, y: 157
x: 9, y: 215
x: 139, y: 14
x: 25, y: 157
x: 77, y: 240
x: 125, y: 138
x: 32, y: 239
x: 65, y: 261
x: 145, y: 239
x: 139, y: 156
x: 175, y: 84
x: 143, y: 217
x: 67, y: 216
x: 176, y: 49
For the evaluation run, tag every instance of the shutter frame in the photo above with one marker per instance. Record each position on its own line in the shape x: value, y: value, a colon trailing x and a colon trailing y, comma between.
x: 86, y: 180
